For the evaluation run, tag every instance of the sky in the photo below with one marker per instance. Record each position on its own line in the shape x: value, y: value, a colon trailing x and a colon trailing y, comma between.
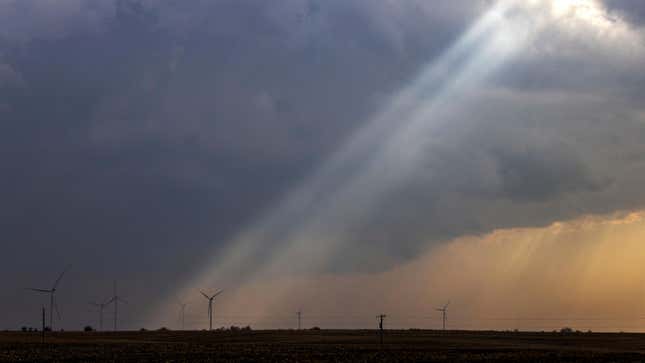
x: 344, y: 158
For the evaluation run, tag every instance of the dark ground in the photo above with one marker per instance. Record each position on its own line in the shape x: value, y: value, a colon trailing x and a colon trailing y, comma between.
x: 321, y: 346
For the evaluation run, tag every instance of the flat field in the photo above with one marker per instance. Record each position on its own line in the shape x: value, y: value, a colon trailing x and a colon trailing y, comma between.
x: 321, y: 346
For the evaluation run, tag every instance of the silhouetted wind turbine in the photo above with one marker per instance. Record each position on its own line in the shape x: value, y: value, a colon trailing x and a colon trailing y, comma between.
x: 101, y: 307
x: 299, y: 314
x: 52, y: 292
x: 380, y: 325
x: 444, y: 310
x: 116, y: 299
x: 182, y: 306
x: 210, y: 307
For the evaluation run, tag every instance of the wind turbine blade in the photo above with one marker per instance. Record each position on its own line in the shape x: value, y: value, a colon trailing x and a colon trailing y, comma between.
x: 57, y: 311
x: 38, y: 290
x: 110, y: 301
x: 121, y: 299
x: 61, y: 276
x: 203, y: 293
x: 217, y: 293
x: 448, y: 303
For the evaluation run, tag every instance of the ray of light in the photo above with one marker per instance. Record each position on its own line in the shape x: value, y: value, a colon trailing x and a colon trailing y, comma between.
x: 315, y: 220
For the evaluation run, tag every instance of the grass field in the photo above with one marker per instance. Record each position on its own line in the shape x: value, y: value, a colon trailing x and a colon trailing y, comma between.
x: 321, y: 346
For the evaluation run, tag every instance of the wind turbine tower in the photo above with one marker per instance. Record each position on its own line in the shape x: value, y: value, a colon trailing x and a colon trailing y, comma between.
x: 52, y: 301
x: 380, y: 325
x: 299, y: 313
x: 210, y: 307
x: 444, y: 311
x: 182, y: 306
x: 101, y: 307
x: 116, y: 299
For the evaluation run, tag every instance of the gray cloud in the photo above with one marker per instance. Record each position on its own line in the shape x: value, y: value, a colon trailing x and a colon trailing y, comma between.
x: 633, y: 10
x: 9, y: 78
x: 146, y: 132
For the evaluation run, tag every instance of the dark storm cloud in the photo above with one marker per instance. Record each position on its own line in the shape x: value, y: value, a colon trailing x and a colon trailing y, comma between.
x: 135, y: 135
x: 633, y: 10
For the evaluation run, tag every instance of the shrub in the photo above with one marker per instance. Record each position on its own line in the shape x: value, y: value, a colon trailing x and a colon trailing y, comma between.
x: 88, y: 328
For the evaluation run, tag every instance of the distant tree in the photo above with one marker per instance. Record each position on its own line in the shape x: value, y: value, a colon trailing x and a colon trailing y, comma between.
x: 315, y: 328
x: 566, y: 330
x: 24, y: 328
x: 88, y: 328
x: 163, y: 328
x: 143, y: 329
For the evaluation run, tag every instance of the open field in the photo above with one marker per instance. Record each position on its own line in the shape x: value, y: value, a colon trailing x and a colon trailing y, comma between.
x: 321, y: 346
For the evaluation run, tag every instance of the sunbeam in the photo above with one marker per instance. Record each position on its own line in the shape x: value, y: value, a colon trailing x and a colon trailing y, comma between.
x: 318, y: 221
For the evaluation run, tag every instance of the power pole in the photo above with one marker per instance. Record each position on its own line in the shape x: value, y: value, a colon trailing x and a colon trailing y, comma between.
x: 380, y: 325
x: 299, y: 318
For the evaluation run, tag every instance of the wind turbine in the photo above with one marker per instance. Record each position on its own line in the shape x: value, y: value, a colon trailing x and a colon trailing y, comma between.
x: 210, y: 307
x: 101, y: 307
x: 380, y: 325
x: 443, y: 310
x: 52, y: 293
x: 116, y: 299
x: 182, y: 306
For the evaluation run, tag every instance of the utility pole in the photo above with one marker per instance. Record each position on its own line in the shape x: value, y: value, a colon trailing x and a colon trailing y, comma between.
x: 299, y: 318
x: 380, y: 325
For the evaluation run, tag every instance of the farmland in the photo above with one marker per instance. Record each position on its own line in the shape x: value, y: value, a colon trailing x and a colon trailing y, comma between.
x: 320, y: 346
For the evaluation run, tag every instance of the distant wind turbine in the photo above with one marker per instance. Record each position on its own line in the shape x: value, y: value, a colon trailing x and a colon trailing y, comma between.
x: 101, y: 307
x: 116, y: 299
x: 182, y: 306
x: 210, y: 307
x: 52, y: 293
x: 380, y: 325
x: 444, y: 310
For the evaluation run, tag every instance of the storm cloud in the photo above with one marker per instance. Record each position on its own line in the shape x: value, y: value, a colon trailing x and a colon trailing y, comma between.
x: 632, y: 10
x: 135, y: 135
